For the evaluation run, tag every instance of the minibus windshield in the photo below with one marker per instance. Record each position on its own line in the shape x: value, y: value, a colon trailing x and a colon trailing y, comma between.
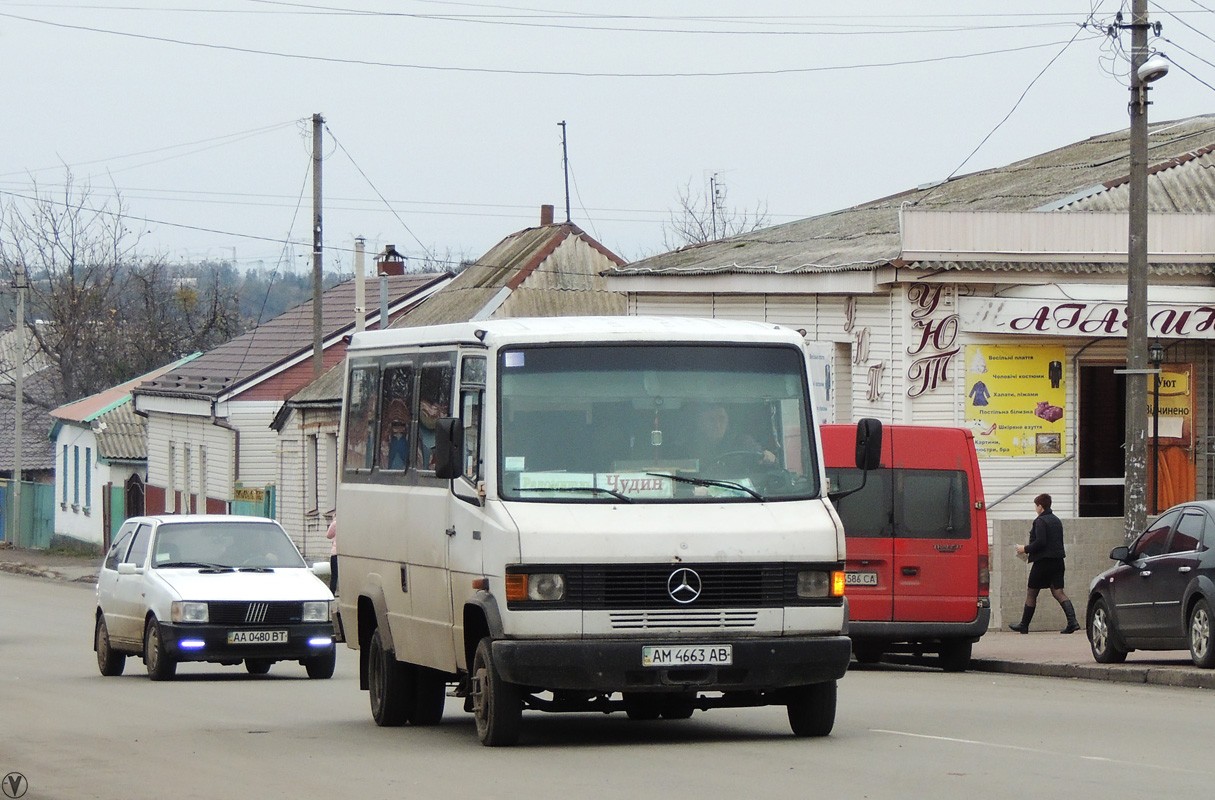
x: 654, y: 423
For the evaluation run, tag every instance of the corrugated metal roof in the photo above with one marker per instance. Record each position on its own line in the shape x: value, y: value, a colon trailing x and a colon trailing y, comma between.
x: 121, y: 434
x: 525, y: 261
x: 270, y: 344
x: 1089, y: 174
x: 88, y: 408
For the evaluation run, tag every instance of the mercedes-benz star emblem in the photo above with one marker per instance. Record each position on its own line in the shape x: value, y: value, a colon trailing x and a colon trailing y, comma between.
x: 683, y: 585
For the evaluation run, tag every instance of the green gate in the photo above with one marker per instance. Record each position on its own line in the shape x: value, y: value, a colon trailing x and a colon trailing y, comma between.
x: 37, y: 514
x: 253, y: 501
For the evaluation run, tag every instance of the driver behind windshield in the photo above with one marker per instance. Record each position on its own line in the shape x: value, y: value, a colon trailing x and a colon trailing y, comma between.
x: 713, y: 440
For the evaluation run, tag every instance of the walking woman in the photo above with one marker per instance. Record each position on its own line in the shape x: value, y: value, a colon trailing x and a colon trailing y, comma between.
x: 1045, y: 552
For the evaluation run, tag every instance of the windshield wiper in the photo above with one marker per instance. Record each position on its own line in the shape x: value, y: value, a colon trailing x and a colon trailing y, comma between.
x: 256, y: 569
x: 202, y: 565
x: 710, y: 482
x: 593, y: 489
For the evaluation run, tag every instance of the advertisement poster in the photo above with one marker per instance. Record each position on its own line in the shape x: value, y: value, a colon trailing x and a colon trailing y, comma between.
x: 1015, y: 400
x: 1176, y: 405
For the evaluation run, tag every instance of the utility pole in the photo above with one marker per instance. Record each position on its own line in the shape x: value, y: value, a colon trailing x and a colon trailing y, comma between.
x: 713, y: 202
x: 19, y: 403
x: 1135, y: 472
x: 565, y: 166
x: 318, y: 355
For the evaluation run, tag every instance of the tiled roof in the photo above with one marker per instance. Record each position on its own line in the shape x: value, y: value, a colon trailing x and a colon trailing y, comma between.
x: 280, y: 340
x: 37, y: 449
x: 121, y: 434
x: 1085, y: 176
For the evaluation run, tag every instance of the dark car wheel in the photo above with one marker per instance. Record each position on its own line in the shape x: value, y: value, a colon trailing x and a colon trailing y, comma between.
x: 257, y: 666
x: 811, y: 709
x: 161, y: 666
x: 1202, y: 649
x: 110, y: 661
x: 321, y: 667
x: 1102, y: 637
x: 497, y: 705
x: 389, y: 684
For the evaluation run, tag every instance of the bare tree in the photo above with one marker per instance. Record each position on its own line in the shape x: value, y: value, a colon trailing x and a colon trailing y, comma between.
x: 99, y: 312
x: 706, y: 217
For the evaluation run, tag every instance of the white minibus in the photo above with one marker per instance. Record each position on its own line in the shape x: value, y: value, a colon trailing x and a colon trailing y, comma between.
x: 589, y: 514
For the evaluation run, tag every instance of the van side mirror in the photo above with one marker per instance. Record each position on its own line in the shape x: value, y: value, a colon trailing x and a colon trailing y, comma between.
x: 868, y: 444
x: 1121, y: 553
x: 449, y: 441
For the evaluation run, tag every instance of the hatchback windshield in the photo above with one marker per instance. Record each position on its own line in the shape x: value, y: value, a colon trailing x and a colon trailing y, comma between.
x: 654, y: 423
x: 221, y: 545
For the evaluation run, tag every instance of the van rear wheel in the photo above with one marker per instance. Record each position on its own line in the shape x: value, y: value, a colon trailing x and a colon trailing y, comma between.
x: 497, y: 705
x: 389, y: 684
x: 955, y: 655
x: 812, y: 709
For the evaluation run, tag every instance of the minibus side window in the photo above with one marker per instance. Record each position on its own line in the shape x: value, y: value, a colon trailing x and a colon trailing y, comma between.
x: 397, y: 404
x: 434, y: 401
x: 361, y: 417
x: 472, y: 399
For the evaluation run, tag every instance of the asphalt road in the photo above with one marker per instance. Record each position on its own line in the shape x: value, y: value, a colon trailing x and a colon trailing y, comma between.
x: 901, y: 732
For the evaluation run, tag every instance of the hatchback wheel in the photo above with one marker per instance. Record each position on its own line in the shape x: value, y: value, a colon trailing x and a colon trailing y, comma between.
x: 109, y: 660
x: 1201, y: 649
x: 161, y: 666
x: 1101, y: 636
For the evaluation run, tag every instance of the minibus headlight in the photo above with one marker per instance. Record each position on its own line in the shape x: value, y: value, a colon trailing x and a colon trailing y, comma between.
x: 813, y: 584
x: 537, y: 586
x: 546, y: 586
x: 185, y: 611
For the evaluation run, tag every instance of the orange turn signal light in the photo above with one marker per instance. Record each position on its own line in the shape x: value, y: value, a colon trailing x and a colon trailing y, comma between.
x: 837, y: 583
x: 516, y: 587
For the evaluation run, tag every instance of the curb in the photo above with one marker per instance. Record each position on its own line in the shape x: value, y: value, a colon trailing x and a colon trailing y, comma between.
x: 18, y: 568
x: 1155, y: 676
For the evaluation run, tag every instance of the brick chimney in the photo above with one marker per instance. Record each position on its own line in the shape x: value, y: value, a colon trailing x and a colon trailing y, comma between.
x: 390, y: 262
x: 546, y: 215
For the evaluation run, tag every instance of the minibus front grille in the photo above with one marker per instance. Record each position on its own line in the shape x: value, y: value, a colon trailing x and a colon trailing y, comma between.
x: 646, y: 586
x: 714, y: 619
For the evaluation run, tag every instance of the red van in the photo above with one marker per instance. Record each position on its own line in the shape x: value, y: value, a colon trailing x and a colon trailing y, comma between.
x: 917, y: 569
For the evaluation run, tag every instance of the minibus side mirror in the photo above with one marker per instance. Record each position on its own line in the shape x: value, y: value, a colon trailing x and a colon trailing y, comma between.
x: 449, y: 441
x: 868, y: 444
x: 868, y: 454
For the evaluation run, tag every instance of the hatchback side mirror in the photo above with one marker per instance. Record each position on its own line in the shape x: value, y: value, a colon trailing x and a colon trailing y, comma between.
x: 1121, y: 553
x: 127, y: 568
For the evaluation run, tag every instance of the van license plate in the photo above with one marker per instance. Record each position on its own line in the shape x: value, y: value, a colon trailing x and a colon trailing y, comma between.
x: 861, y: 579
x: 257, y: 637
x: 709, y: 655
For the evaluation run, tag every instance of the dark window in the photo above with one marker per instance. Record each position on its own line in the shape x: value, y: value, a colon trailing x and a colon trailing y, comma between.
x: 1188, y: 535
x: 139, y: 547
x: 397, y: 404
x: 1152, y: 541
x: 118, y: 550
x: 361, y: 404
x: 904, y: 503
x: 434, y: 401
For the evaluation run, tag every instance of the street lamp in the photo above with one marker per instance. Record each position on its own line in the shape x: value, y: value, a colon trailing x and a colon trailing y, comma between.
x: 1156, y: 355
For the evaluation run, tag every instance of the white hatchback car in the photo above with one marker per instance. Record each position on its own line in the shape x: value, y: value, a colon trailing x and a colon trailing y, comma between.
x: 215, y: 588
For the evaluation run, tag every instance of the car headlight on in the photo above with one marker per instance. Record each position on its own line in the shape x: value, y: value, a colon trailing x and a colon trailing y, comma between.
x: 537, y: 586
x: 188, y: 611
x: 820, y: 584
x: 316, y: 611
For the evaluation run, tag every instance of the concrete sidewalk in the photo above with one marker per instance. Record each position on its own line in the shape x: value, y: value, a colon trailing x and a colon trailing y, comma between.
x: 1047, y: 653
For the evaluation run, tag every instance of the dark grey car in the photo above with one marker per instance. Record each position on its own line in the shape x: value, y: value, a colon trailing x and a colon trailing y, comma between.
x: 1160, y: 594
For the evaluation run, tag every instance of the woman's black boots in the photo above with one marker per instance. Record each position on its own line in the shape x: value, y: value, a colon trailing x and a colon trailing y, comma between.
x: 1070, y: 611
x: 1023, y: 625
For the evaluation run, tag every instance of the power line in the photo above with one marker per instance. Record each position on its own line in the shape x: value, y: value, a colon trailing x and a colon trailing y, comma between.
x: 530, y: 72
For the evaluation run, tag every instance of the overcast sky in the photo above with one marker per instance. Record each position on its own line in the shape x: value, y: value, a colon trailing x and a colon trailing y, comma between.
x: 442, y: 117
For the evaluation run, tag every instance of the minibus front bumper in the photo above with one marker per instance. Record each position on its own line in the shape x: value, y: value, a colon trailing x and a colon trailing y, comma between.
x: 608, y: 665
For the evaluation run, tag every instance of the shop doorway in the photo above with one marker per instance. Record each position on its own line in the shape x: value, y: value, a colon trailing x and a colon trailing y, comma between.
x: 1102, y: 432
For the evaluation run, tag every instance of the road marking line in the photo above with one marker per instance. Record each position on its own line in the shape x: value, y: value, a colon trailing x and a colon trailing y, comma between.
x: 1040, y: 751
